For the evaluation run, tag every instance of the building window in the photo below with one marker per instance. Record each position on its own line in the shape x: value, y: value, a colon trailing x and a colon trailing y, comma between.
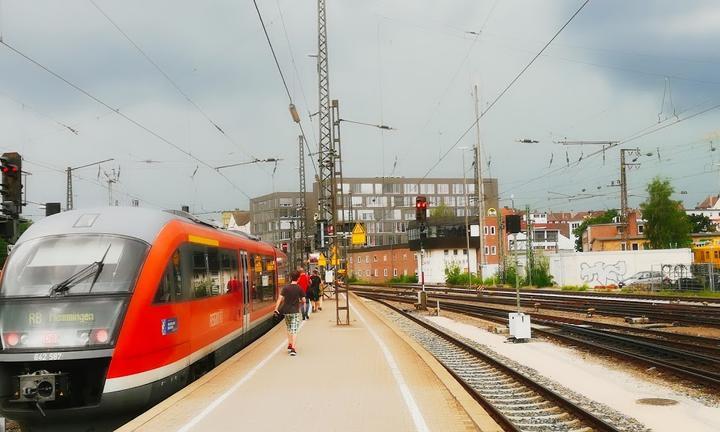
x: 493, y: 250
x: 622, y: 246
x: 464, y: 251
x: 454, y: 251
x: 404, y: 257
x: 395, y: 272
x: 367, y: 259
x: 443, y: 189
x: 485, y: 230
x: 375, y: 272
x: 634, y: 246
x: 487, y: 250
x: 641, y: 229
x: 447, y: 252
x: 359, y: 258
x: 385, y: 259
x: 385, y: 272
x: 367, y: 272
x: 374, y: 258
x: 492, y: 230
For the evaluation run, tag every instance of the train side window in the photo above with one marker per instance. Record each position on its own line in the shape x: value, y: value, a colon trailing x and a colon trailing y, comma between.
x: 229, y: 273
x: 170, y: 288
x: 205, y: 271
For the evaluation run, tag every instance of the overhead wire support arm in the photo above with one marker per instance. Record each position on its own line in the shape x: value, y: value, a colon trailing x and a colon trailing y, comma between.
x: 268, y: 160
x: 379, y: 126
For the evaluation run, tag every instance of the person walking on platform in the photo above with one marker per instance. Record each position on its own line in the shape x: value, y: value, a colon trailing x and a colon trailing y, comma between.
x: 289, y: 303
x: 304, y: 283
x: 314, y: 290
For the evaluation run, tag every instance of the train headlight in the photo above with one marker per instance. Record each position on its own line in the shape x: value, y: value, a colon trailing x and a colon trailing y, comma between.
x: 84, y: 336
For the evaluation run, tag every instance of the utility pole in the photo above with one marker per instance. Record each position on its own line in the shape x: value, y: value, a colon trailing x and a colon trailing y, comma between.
x: 623, y: 190
x: 69, y: 186
x: 303, y: 204
x: 528, y: 245
x: 501, y: 243
x: 467, y: 226
x: 479, y: 188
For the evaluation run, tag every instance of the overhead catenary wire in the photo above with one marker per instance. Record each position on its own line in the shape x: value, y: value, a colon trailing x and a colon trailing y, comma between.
x: 505, y: 90
x: 172, y: 82
x: 93, y: 181
x: 120, y: 113
x: 282, y: 77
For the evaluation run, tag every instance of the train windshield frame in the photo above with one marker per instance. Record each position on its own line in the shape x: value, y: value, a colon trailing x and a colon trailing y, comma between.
x: 38, y: 265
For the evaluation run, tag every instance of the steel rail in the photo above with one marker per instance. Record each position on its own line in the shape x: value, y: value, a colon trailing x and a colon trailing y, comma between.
x: 573, y: 409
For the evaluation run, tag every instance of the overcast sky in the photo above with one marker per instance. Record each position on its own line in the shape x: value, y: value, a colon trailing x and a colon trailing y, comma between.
x: 618, y: 70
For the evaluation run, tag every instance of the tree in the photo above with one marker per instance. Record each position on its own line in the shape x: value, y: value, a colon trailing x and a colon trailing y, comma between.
x: 667, y: 226
x: 441, y: 211
x: 701, y: 223
x: 606, y: 217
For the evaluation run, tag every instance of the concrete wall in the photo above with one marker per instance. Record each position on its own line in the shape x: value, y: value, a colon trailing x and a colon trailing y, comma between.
x: 436, y: 261
x: 608, y: 268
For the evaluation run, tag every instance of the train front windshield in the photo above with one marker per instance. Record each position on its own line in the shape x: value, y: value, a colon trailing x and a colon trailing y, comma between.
x: 72, y: 265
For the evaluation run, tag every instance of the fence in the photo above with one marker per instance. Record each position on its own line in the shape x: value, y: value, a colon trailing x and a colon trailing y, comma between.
x: 693, y: 277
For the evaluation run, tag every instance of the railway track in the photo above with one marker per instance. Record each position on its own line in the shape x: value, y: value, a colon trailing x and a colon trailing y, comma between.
x: 658, y: 311
x: 590, y: 294
x: 699, y: 363
x: 516, y: 401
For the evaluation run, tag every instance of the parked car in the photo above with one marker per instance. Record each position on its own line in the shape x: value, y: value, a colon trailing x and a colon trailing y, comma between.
x: 645, y: 279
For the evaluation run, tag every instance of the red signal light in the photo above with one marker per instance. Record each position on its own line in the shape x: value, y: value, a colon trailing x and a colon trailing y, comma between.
x: 12, y: 339
x: 100, y: 336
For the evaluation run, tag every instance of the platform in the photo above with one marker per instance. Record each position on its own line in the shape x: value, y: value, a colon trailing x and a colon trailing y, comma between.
x: 362, y: 377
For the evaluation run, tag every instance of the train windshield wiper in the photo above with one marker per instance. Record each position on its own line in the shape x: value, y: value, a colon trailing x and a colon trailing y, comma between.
x: 93, y: 270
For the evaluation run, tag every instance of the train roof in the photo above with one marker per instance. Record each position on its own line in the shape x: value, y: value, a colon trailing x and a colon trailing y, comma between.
x: 141, y: 223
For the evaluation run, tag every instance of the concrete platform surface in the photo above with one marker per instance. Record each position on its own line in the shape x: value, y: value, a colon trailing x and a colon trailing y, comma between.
x: 362, y: 377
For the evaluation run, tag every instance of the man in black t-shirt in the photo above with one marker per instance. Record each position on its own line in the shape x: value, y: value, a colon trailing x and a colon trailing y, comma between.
x: 313, y: 293
x: 289, y: 303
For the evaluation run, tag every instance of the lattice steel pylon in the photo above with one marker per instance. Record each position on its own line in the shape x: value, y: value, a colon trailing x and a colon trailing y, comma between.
x: 330, y: 199
x: 325, y: 152
x: 302, y: 228
x: 339, y: 242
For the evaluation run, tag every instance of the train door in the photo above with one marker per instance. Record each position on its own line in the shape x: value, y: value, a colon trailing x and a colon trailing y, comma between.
x: 246, y: 290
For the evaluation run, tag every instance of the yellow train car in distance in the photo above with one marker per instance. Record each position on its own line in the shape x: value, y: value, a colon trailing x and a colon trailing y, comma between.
x: 706, y: 250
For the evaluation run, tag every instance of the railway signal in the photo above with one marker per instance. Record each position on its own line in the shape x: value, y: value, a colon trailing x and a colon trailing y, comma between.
x: 11, y: 168
x: 421, y: 206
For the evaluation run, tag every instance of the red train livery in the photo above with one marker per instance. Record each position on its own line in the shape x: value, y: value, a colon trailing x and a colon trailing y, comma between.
x: 104, y: 312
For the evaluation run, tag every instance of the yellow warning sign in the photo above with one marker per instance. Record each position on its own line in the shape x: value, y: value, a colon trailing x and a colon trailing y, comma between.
x: 322, y: 261
x: 359, y: 236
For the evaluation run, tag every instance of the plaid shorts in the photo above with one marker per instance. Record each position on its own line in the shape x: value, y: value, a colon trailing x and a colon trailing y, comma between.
x: 292, y: 322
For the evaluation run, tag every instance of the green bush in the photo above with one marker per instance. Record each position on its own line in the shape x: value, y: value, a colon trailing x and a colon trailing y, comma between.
x: 541, y: 276
x: 575, y: 287
x: 455, y: 276
x: 404, y: 279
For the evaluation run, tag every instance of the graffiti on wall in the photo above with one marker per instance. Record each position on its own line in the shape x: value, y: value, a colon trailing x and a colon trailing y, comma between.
x: 601, y: 273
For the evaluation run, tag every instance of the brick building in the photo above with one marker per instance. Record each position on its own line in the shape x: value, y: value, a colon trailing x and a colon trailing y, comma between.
x: 379, y: 264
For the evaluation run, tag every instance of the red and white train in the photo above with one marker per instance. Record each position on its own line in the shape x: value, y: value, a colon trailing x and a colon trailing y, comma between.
x: 105, y: 312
